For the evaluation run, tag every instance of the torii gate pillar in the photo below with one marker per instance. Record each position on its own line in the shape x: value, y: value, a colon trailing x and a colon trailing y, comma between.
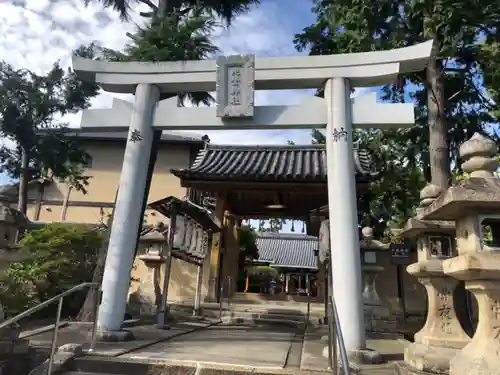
x: 336, y: 112
x: 345, y: 261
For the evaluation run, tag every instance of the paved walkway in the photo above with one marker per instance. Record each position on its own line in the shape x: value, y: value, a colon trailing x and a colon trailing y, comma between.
x: 237, y: 345
x: 145, y: 335
x: 264, y: 347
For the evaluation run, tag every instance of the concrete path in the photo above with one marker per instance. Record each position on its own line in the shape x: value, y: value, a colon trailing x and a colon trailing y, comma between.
x: 312, y: 359
x: 145, y: 335
x: 262, y: 346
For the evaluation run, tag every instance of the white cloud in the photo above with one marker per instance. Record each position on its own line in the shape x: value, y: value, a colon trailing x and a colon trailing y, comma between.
x: 35, y: 33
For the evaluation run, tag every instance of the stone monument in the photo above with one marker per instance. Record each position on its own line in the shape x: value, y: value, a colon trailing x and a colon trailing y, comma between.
x: 472, y: 204
x: 235, y: 83
x: 442, y: 335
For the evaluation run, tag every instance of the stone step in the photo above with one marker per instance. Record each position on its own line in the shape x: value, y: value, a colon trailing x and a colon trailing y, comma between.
x: 114, y: 366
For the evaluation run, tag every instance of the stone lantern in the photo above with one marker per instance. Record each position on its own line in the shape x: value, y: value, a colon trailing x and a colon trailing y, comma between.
x: 442, y: 335
x: 149, y: 291
x: 376, y: 315
x: 472, y: 204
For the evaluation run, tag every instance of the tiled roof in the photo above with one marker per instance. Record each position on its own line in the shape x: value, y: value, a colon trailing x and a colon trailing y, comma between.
x: 287, y: 249
x: 291, y: 163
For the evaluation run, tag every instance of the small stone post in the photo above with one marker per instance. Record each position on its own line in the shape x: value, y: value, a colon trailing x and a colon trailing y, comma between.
x: 472, y: 203
x: 376, y: 314
x: 442, y: 335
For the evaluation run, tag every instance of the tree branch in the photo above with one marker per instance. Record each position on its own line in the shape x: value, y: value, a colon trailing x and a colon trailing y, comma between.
x: 149, y: 4
x: 132, y: 36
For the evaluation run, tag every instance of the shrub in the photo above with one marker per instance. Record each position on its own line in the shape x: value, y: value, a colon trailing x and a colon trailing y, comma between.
x: 56, y: 257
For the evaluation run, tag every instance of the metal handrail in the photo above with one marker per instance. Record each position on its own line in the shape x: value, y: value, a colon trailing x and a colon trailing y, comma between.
x: 59, y: 298
x: 335, y: 336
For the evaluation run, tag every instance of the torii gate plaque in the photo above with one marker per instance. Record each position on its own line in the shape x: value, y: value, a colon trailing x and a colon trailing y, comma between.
x: 337, y: 73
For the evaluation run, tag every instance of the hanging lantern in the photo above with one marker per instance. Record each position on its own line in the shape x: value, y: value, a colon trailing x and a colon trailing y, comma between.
x: 180, y: 232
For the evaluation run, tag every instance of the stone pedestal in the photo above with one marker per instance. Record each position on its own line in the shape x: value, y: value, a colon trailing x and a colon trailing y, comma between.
x: 149, y: 291
x: 442, y: 335
x: 376, y: 315
x: 482, y: 274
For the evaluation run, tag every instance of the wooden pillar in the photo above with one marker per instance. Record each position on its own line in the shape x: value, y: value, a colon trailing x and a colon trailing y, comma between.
x: 232, y: 254
x: 215, y: 252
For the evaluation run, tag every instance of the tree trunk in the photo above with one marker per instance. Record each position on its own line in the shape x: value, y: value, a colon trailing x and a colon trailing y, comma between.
x: 436, y: 104
x: 438, y: 130
x: 64, y: 209
x: 22, y: 201
x: 87, y: 312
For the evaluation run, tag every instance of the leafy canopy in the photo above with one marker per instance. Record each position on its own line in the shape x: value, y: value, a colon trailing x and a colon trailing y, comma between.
x: 466, y: 36
x: 31, y: 106
x: 55, y: 258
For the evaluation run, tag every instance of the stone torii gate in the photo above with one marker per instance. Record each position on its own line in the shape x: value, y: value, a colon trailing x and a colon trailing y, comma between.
x: 235, y: 79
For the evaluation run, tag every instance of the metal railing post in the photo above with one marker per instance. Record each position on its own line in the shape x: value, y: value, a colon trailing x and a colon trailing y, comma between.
x: 340, y: 339
x: 59, y: 299
x: 332, y: 350
x: 98, y: 300
x: 54, y: 336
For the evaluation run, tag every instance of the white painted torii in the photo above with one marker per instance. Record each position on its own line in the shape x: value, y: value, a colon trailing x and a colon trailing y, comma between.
x: 336, y: 112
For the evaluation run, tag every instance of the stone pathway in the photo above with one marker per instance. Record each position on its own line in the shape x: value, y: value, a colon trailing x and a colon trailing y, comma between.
x: 145, y: 335
x: 261, y: 346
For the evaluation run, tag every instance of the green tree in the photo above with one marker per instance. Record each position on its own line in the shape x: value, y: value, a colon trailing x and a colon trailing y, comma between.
x: 55, y: 258
x: 394, y: 192
x: 226, y: 9
x: 30, y: 106
x: 450, y: 102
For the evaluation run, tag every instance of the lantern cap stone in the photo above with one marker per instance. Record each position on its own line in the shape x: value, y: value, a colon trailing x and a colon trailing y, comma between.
x: 428, y: 194
x: 415, y: 226
x: 478, y: 155
x: 479, y: 194
x: 430, y: 191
